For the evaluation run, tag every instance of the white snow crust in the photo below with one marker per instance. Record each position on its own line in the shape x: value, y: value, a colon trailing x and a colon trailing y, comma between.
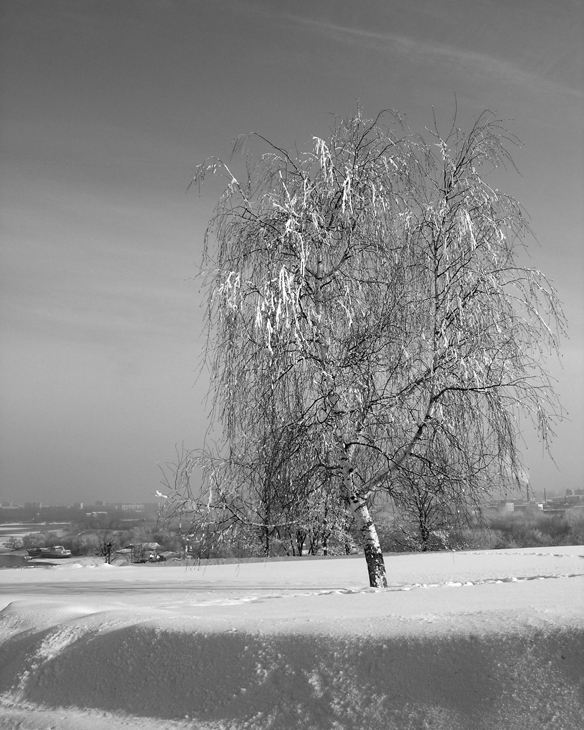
x: 485, y: 640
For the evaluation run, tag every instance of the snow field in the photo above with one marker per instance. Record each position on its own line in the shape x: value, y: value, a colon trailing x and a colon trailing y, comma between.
x: 456, y: 642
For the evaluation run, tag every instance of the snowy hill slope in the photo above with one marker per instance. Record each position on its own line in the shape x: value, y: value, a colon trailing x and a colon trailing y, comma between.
x: 479, y: 640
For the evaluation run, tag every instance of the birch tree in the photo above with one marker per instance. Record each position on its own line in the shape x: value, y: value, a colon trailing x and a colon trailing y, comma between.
x: 365, y: 298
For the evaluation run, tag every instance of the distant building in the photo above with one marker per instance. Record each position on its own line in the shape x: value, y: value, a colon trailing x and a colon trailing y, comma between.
x: 527, y: 506
x: 33, y: 505
x: 132, y: 507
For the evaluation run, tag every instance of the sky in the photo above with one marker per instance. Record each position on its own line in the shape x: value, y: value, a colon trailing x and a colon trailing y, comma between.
x: 106, y: 108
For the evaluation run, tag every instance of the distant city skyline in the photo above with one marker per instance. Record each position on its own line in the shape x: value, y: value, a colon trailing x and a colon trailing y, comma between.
x: 549, y: 494
x: 105, y: 110
x: 91, y: 502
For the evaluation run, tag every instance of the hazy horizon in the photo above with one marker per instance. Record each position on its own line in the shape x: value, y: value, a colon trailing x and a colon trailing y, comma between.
x: 105, y: 110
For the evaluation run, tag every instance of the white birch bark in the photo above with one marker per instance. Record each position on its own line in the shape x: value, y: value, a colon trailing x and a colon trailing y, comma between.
x: 371, y: 544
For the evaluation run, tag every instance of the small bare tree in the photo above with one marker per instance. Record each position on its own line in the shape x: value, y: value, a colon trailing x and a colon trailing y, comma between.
x: 439, y: 490
x: 365, y: 298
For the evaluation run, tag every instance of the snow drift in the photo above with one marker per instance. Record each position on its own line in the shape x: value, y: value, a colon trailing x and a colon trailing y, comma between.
x: 465, y: 640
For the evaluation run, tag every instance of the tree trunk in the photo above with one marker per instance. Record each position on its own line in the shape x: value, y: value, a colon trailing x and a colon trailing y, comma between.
x: 373, y: 553
x: 300, y: 540
x: 424, y: 535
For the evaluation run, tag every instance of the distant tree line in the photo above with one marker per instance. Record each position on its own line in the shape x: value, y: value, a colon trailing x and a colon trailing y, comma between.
x: 399, y: 531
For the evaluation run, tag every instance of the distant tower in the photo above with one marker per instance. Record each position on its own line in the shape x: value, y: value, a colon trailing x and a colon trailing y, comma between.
x: 522, y: 479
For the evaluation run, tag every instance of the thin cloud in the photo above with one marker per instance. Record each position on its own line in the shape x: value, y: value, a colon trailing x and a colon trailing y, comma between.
x: 428, y: 51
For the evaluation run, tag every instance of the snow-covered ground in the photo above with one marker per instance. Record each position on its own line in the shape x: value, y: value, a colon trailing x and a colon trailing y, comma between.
x: 477, y: 640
